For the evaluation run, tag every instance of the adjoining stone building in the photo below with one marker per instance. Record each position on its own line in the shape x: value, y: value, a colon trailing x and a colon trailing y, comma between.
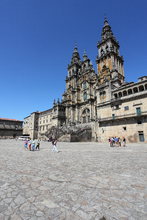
x: 10, y: 128
x: 102, y: 102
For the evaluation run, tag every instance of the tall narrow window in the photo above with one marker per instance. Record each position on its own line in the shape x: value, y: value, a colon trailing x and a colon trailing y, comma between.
x: 141, y: 136
x: 86, y: 115
x: 84, y: 119
x: 138, y: 111
x: 113, y: 116
x: 85, y: 96
x: 84, y: 85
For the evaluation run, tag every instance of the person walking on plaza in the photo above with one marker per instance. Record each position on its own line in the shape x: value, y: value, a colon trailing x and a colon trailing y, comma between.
x: 124, y: 142
x: 112, y: 142
x: 26, y: 144
x: 54, y: 147
x: 119, y: 141
x: 37, y: 145
x: 29, y: 145
x: 33, y: 145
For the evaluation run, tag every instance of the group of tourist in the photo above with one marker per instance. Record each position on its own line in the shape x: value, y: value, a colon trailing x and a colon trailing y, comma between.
x: 32, y: 145
x: 117, y: 141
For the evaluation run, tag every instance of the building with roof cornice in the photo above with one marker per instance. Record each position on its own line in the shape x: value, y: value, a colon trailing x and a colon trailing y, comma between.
x: 96, y: 106
x: 10, y: 128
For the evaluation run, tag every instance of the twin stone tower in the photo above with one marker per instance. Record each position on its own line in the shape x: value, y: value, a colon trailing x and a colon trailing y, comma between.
x: 89, y: 107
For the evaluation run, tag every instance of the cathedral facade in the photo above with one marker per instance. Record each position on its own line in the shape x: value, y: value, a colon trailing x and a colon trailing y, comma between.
x: 101, y: 101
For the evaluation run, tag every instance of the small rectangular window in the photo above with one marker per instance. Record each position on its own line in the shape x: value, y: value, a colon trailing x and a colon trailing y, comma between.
x: 138, y: 111
x: 126, y: 108
x: 116, y: 107
x: 124, y: 128
x: 113, y: 116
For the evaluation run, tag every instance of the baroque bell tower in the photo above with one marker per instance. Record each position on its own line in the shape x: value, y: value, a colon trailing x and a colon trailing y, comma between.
x: 109, y: 62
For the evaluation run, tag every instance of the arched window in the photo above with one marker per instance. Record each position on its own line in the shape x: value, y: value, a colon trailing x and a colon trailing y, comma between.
x: 115, y: 95
x: 135, y: 90
x: 130, y: 92
x: 120, y: 94
x: 86, y: 115
x: 141, y: 88
x: 85, y: 96
x: 84, y: 66
x: 146, y: 86
x: 124, y: 93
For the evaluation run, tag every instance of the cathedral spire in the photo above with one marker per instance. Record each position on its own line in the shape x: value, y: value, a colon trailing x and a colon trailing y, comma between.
x: 106, y: 31
x: 76, y: 48
x: 85, y: 57
x: 75, y: 56
x: 106, y: 22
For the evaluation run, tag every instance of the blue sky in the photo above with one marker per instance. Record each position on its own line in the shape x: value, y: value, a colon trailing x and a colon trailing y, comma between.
x: 37, y: 38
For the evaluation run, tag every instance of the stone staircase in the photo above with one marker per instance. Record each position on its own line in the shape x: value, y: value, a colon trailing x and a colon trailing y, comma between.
x: 70, y: 133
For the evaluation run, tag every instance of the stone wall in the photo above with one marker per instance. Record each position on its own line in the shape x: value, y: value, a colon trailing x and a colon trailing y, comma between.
x: 10, y: 133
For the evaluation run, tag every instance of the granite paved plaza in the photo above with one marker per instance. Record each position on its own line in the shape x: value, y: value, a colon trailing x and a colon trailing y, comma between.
x: 83, y: 181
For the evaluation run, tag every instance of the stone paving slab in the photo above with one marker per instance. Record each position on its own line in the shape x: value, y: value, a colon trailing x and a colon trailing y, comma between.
x: 84, y: 181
